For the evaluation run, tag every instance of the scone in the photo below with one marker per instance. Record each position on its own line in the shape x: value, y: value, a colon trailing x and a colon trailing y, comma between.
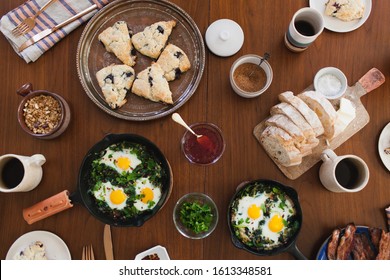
x: 151, y: 84
x: 116, y: 39
x: 152, y: 40
x: 346, y: 10
x: 174, y: 62
x: 115, y: 82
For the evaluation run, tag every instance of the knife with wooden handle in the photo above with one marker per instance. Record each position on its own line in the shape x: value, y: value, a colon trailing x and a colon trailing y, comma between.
x: 107, y: 241
x: 48, y: 31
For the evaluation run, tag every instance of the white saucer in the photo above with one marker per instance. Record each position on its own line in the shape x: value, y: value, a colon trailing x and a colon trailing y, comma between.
x: 224, y: 37
x: 383, y: 143
x: 56, y: 248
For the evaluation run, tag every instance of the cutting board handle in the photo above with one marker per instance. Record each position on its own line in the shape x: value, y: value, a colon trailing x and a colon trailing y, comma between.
x: 371, y: 80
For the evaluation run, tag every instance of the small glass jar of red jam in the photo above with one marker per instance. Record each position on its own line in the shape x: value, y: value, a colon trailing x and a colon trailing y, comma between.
x: 206, y: 149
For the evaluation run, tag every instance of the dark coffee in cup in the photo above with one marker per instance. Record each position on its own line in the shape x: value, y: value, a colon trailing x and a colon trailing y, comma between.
x: 347, y: 173
x: 12, y: 173
x: 304, y: 27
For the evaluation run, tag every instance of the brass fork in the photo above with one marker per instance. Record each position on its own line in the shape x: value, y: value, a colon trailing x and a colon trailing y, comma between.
x: 88, y: 253
x: 28, y: 24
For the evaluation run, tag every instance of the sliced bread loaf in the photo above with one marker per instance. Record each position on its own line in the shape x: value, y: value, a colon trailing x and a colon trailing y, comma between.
x: 292, y: 113
x: 280, y: 146
x: 294, y: 131
x: 324, y: 110
x: 309, y: 115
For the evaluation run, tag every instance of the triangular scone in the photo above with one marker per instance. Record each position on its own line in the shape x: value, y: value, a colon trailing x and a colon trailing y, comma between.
x: 346, y: 10
x: 173, y: 61
x: 151, y: 84
x: 153, y: 39
x: 115, y: 82
x: 116, y: 39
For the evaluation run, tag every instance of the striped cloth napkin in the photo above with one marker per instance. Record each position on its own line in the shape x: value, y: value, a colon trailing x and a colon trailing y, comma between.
x: 54, y: 14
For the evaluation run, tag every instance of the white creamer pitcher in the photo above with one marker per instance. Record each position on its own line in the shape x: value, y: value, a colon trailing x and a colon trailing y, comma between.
x: 20, y: 173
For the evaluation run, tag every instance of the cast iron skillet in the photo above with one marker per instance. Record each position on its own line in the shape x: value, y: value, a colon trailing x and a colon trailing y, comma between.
x: 64, y: 201
x: 290, y: 246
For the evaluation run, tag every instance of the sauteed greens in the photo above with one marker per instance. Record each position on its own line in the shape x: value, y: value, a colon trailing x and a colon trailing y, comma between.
x: 263, y: 217
x: 126, y: 180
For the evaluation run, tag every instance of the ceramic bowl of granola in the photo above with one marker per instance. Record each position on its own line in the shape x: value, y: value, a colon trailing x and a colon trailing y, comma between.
x: 42, y: 114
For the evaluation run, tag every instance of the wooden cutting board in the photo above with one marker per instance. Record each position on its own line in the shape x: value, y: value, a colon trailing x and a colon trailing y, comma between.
x: 370, y: 81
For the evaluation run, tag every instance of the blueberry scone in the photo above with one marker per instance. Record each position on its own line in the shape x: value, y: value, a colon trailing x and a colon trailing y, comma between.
x: 35, y: 251
x: 173, y: 61
x: 151, y: 84
x: 116, y: 39
x: 115, y: 82
x: 152, y: 40
x: 346, y: 10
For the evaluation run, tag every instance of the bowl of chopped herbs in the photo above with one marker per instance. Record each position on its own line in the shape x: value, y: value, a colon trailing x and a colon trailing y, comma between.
x: 195, y: 215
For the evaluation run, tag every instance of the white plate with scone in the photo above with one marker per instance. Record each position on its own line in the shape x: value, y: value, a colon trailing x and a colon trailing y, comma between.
x: 335, y: 24
x: 52, y: 247
x: 384, y: 146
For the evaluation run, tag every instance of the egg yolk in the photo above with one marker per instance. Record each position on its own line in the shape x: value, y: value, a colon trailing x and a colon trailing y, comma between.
x: 276, y: 223
x: 123, y: 163
x: 117, y: 196
x: 147, y: 194
x: 254, y: 211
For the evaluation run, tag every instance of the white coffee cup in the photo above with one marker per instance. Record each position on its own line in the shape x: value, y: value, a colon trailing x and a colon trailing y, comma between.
x: 348, y: 173
x: 20, y: 173
x: 304, y: 28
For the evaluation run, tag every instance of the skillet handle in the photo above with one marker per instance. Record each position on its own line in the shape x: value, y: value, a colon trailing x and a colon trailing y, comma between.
x: 47, y: 207
x: 296, y: 253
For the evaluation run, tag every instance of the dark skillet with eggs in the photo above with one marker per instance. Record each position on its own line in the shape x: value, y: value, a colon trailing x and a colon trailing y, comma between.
x: 265, y: 218
x: 86, y: 197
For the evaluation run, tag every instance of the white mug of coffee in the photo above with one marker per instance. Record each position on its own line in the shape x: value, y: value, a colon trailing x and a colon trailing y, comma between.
x: 348, y: 173
x: 306, y: 25
x: 20, y: 173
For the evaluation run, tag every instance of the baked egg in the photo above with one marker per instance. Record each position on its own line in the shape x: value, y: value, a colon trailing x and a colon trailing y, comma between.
x: 147, y: 194
x: 114, y: 196
x: 122, y: 161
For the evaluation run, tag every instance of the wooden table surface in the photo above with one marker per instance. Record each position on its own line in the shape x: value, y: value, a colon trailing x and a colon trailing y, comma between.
x: 264, y: 24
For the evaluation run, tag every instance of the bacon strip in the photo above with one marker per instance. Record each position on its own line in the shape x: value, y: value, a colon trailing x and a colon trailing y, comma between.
x: 384, y: 247
x: 332, y: 244
x: 362, y: 249
x: 375, y: 234
x: 346, y: 243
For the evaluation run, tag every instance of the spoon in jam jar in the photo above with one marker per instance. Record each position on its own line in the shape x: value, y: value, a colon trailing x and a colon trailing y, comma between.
x: 203, y: 140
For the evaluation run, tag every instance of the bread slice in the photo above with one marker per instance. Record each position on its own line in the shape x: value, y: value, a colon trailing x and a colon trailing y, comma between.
x: 115, y: 82
x: 292, y: 113
x: 287, y: 125
x: 309, y: 115
x: 151, y: 84
x: 116, y: 39
x: 280, y: 146
x: 174, y: 62
x: 324, y: 110
x: 152, y: 40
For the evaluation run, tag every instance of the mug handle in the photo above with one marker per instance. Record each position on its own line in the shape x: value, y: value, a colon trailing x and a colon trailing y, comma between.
x: 327, y: 155
x: 25, y: 89
x: 47, y: 207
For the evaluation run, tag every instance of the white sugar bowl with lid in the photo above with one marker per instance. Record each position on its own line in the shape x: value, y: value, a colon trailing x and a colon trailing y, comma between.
x: 330, y: 82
